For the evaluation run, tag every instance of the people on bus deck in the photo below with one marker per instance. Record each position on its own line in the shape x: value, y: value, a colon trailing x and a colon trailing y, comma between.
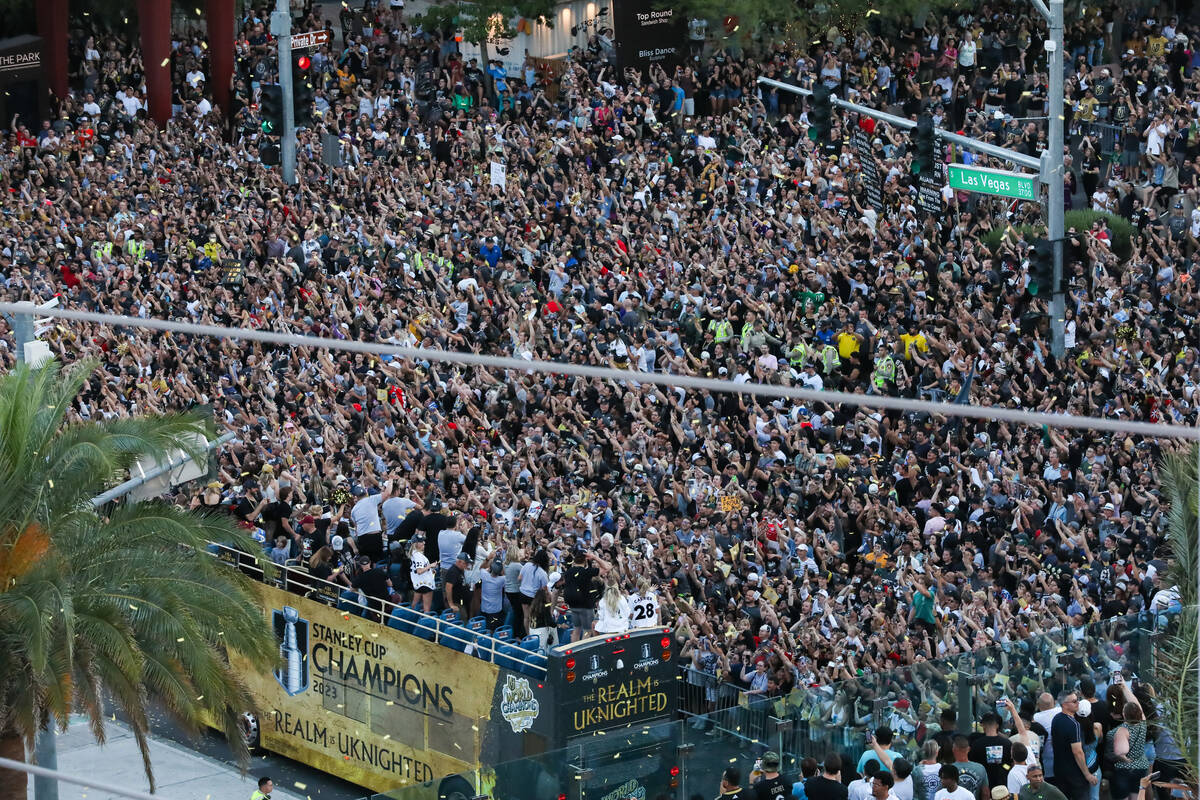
x: 535, y: 574
x: 421, y: 573
x: 643, y: 606
x: 613, y: 612
x: 581, y: 590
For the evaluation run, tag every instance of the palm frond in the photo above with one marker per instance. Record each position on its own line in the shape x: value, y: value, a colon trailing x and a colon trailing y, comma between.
x: 127, y: 606
x: 1176, y: 659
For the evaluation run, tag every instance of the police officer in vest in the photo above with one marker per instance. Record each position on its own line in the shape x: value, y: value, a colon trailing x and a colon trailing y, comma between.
x: 883, y: 378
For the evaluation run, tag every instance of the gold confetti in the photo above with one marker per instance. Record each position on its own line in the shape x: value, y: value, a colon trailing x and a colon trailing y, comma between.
x: 51, y: 483
x: 300, y: 786
x: 201, y: 697
x: 133, y: 607
x: 165, y: 61
x: 180, y: 639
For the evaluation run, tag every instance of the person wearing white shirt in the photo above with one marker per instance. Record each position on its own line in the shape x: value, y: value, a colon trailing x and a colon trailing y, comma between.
x: 421, y: 573
x: 950, y: 789
x: 643, y: 607
x: 613, y: 613
x: 1047, y: 711
x: 883, y: 786
x: 1017, y: 774
x: 863, y: 788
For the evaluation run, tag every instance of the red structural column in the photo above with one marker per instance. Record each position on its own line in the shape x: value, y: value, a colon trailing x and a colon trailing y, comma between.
x: 154, y: 17
x: 220, y: 50
x: 52, y: 27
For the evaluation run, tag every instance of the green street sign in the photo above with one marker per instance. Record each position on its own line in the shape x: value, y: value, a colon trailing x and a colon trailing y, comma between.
x: 993, y: 181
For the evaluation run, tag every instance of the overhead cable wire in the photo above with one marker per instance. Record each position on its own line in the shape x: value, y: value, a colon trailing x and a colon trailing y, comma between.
x: 669, y: 380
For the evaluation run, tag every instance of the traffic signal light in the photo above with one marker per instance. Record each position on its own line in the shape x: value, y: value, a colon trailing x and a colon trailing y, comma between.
x: 302, y: 90
x: 270, y: 104
x: 924, y: 146
x: 1041, y: 267
x: 268, y: 153
x: 820, y: 114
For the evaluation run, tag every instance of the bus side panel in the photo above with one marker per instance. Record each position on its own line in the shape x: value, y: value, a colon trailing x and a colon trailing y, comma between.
x: 365, y: 702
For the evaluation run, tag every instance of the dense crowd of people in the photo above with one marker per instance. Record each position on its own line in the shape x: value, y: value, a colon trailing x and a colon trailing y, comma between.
x: 677, y: 222
x: 1033, y: 746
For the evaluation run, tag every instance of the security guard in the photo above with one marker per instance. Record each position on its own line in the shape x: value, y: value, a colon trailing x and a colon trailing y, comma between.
x: 722, y: 330
x: 797, y: 356
x: 136, y: 246
x: 883, y: 379
x: 265, y: 787
x: 102, y: 250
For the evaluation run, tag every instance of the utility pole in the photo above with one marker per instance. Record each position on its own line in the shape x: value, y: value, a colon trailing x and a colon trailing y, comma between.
x: 23, y: 332
x: 281, y: 28
x: 1054, y: 171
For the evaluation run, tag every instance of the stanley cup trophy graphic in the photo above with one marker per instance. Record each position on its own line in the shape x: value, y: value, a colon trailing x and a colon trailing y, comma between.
x: 292, y: 633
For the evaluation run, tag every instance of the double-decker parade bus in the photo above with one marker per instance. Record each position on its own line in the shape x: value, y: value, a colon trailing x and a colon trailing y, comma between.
x: 428, y: 706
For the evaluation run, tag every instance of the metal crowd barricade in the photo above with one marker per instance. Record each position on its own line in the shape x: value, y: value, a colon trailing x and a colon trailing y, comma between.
x: 1104, y: 134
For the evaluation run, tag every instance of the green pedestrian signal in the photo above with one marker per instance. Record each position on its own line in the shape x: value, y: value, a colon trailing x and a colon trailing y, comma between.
x: 270, y: 104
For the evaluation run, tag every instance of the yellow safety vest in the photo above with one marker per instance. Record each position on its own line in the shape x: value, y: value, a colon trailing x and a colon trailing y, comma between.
x: 830, y: 360
x: 102, y: 250
x: 885, y: 371
x: 798, y: 355
x: 136, y: 249
x: 723, y: 330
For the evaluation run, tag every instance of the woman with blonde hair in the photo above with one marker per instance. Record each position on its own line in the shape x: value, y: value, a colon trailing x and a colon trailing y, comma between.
x: 512, y: 583
x: 613, y: 613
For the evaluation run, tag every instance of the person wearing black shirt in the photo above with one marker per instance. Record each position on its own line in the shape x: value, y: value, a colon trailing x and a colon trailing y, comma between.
x: 373, y: 582
x: 828, y: 785
x: 772, y: 785
x: 455, y: 588
x: 579, y: 592
x: 992, y: 751
x: 431, y: 525
x: 731, y: 785
x: 1071, y: 775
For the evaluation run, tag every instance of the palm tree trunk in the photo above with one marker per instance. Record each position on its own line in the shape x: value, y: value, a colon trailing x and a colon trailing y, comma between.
x: 13, y: 784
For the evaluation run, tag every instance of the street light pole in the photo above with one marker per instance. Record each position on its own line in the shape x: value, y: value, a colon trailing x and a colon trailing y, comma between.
x: 1056, y: 210
x: 281, y: 27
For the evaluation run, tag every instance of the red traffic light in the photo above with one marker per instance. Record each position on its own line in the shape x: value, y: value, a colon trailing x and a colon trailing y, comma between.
x: 303, y: 62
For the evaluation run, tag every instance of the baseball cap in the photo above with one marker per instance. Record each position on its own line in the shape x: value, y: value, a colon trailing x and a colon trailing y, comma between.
x: 307, y: 519
x: 463, y: 557
x: 337, y: 542
x: 770, y: 759
x: 1000, y: 793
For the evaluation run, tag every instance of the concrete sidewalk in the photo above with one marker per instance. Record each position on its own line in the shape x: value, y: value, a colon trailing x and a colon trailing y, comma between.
x: 182, y: 774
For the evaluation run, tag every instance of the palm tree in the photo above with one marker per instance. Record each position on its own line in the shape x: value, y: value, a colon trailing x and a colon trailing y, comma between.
x: 1176, y: 655
x: 125, y: 607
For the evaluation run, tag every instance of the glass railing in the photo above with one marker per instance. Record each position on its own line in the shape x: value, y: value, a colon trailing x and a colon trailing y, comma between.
x: 721, y: 725
x: 835, y: 717
x: 668, y: 760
